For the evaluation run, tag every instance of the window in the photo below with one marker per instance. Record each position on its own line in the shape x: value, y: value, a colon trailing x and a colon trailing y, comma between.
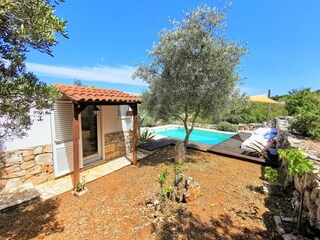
x: 122, y: 110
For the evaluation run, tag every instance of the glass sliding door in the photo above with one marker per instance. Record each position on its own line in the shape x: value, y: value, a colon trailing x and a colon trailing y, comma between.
x: 89, y: 129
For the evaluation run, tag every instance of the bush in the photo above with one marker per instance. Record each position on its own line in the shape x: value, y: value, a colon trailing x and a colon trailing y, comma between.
x: 147, y: 121
x: 228, y: 127
x: 304, y: 105
x: 146, y: 136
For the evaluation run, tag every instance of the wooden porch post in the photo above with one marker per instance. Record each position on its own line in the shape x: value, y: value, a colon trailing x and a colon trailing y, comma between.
x: 134, y: 134
x: 75, y: 132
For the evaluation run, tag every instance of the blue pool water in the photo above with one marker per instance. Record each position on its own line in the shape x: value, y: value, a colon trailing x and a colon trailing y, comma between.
x: 206, y: 137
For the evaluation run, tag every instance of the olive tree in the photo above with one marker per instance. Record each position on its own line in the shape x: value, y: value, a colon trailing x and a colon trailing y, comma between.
x: 194, y: 68
x: 24, y: 25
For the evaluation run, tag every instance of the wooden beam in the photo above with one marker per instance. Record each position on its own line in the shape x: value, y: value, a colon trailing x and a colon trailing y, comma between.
x: 134, y: 108
x: 75, y: 132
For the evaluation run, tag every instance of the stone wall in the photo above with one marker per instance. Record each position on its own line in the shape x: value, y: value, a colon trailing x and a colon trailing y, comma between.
x: 117, y: 144
x: 285, y: 139
x: 241, y: 126
x: 33, y: 164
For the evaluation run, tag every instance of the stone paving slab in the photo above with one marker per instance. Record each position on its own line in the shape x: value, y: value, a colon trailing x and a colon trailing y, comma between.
x: 18, y: 195
x: 64, y: 184
x: 27, y: 192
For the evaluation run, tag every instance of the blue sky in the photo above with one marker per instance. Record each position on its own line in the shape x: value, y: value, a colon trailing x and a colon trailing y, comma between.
x: 107, y: 39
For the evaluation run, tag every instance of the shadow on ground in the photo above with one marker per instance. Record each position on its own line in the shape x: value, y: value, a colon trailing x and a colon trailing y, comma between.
x: 30, y: 220
x: 166, y: 156
x: 188, y: 226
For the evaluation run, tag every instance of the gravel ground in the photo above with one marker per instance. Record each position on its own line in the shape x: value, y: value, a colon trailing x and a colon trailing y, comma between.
x: 231, y: 205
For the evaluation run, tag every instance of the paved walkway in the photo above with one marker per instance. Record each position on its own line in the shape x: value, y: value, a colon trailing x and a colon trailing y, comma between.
x: 52, y: 188
x: 27, y: 192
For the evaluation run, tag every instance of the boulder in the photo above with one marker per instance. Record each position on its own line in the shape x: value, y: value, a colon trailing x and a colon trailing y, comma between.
x: 193, y: 190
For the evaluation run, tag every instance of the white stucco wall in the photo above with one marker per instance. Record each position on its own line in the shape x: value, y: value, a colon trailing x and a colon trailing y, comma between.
x: 39, y: 134
x: 112, y: 122
x: 40, y: 131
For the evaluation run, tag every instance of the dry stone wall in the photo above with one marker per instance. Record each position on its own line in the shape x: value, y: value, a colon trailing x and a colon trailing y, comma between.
x: 312, y: 195
x: 117, y: 144
x: 32, y: 164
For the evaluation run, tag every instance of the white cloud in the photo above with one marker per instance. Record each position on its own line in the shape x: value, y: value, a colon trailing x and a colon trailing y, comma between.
x: 121, y: 74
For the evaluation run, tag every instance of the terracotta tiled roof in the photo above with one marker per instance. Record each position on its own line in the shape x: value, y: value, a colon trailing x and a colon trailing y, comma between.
x: 79, y: 93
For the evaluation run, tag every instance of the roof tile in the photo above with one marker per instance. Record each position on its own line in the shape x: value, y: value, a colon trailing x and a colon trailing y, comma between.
x: 80, y: 93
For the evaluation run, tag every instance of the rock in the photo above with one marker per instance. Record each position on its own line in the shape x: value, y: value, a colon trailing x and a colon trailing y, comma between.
x: 290, y: 236
x: 3, y: 183
x: 13, y: 172
x: 28, y: 158
x: 12, y: 183
x: 37, y: 150
x: 27, y: 165
x: 13, y: 159
x: 156, y: 203
x: 27, y: 152
x: 15, y: 196
x: 279, y: 226
x: 193, y: 193
x: 36, y: 180
x: 47, y: 168
x: 44, y: 159
x: 34, y: 170
x: 47, y: 148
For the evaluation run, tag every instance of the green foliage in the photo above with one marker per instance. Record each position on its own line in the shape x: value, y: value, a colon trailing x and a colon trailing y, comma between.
x: 253, y: 112
x: 147, y: 121
x: 81, y: 185
x: 167, y: 192
x: 178, y: 167
x: 193, y: 69
x: 162, y: 178
x: 304, y: 105
x: 146, y: 136
x: 297, y: 162
x: 271, y: 174
x: 228, y: 127
x: 24, y: 24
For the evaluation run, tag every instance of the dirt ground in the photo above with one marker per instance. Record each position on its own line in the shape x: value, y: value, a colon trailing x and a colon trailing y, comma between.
x: 231, y: 205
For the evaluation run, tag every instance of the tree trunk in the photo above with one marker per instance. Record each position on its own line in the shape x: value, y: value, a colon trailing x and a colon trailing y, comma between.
x: 186, y: 139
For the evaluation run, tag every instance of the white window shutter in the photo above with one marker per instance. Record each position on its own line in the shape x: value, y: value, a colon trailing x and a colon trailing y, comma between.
x: 63, y: 138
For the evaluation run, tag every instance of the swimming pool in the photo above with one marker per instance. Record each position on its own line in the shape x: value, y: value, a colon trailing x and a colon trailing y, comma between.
x: 201, y: 136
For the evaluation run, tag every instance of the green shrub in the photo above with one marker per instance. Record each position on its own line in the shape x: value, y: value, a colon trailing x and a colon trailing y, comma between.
x: 304, y: 105
x: 146, y: 136
x: 307, y: 124
x: 297, y: 162
x: 228, y: 127
x: 147, y: 121
x: 271, y: 174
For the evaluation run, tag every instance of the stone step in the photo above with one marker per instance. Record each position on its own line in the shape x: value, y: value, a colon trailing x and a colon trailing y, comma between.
x: 18, y: 195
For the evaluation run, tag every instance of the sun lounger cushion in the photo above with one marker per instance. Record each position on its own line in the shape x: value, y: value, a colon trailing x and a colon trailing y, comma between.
x: 259, y: 139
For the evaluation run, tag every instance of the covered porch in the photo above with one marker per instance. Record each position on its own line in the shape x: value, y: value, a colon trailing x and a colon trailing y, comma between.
x: 97, y: 99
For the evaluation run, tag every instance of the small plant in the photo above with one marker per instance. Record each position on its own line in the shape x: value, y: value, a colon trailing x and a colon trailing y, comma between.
x: 271, y: 174
x: 167, y: 192
x: 162, y: 178
x: 178, y: 170
x: 81, y: 185
x: 299, y: 166
x: 146, y: 136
